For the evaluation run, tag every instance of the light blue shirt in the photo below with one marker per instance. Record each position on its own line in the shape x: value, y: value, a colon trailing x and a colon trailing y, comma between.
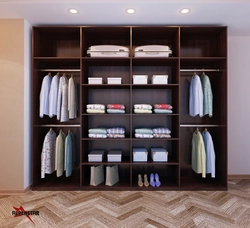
x: 207, y: 96
x: 195, y: 97
x: 210, y: 154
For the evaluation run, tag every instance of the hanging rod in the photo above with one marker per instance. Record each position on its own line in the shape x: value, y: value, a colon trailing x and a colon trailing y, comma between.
x: 199, y: 125
x: 192, y: 70
x: 65, y: 70
x: 59, y: 125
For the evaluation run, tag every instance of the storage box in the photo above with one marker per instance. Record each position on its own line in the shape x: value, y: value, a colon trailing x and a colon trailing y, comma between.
x: 140, y: 155
x: 159, y: 79
x: 114, y: 80
x: 159, y: 154
x: 95, y: 80
x: 115, y: 156
x: 108, y: 51
x: 153, y: 51
x: 140, y: 79
x: 96, y: 156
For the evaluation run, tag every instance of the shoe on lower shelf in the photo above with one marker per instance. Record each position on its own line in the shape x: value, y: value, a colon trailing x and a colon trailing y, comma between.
x: 152, y: 180
x: 157, y: 180
x: 146, y: 180
x: 140, y: 183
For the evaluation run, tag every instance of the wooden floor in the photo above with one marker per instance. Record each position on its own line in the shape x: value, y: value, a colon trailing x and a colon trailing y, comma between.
x: 148, y: 209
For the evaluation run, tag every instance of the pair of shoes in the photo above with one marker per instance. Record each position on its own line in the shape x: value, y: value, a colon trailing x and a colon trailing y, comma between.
x: 155, y: 180
x: 140, y: 182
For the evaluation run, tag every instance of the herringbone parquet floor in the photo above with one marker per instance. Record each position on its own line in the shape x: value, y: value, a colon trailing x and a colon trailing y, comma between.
x: 183, y: 209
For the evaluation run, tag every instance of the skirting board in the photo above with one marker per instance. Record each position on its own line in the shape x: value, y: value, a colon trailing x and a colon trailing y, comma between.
x: 15, y: 192
x: 238, y: 176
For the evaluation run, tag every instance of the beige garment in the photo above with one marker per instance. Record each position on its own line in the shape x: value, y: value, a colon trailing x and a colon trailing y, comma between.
x: 59, y: 158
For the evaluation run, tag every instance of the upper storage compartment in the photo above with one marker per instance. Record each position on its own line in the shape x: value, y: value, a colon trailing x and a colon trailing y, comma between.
x: 156, y: 36
x: 203, y: 41
x: 58, y: 42
x: 105, y: 36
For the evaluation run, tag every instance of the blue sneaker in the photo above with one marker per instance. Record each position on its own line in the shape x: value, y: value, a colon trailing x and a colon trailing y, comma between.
x: 152, y: 180
x: 157, y: 180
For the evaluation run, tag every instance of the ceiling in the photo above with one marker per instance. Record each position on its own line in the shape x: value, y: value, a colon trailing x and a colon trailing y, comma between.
x: 232, y: 13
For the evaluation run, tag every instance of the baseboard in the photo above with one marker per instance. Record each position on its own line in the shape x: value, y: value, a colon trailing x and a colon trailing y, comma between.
x: 15, y: 192
x: 238, y: 176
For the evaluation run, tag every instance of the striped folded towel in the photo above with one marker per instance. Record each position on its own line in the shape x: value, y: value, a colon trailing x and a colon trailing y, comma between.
x: 116, y: 135
x: 143, y: 135
x: 115, y: 106
x: 116, y: 130
x: 97, y: 136
x: 115, y: 111
x: 144, y: 131
x: 162, y: 135
x: 95, y: 106
x: 161, y: 130
x: 163, y: 106
x: 98, y: 131
x: 142, y: 106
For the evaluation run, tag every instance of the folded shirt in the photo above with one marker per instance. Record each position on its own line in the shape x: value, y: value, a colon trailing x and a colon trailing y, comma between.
x: 97, y: 135
x: 95, y: 111
x: 144, y: 136
x: 116, y: 130
x: 142, y: 106
x: 116, y: 135
x: 142, y: 111
x: 98, y: 131
x: 116, y: 111
x: 162, y: 136
x: 115, y: 106
x: 163, y: 106
x: 161, y: 130
x: 95, y: 106
x: 144, y: 131
x: 163, y: 111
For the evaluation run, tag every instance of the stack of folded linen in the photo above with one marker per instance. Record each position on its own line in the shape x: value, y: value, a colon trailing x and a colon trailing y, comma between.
x: 161, y: 132
x: 142, y: 108
x: 116, y: 132
x: 115, y: 108
x: 95, y: 108
x: 163, y: 108
x: 97, y: 133
x: 144, y: 133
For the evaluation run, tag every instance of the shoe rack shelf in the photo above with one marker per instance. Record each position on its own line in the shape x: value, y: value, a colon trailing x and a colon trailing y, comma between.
x: 63, y: 49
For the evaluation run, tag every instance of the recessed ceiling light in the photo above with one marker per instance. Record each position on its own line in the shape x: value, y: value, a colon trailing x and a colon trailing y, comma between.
x: 130, y: 11
x: 74, y: 11
x: 185, y: 11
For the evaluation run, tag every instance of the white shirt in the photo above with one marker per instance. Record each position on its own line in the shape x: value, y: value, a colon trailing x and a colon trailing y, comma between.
x: 53, y: 96
x: 72, y: 99
x: 44, y: 96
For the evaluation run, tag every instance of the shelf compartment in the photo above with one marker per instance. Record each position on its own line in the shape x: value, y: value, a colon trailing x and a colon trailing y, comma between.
x: 105, y: 35
x: 59, y: 42
x: 123, y: 184
x: 203, y: 41
x: 172, y: 146
x: 156, y: 36
x: 216, y: 78
x: 168, y: 175
x: 219, y: 138
x: 154, y: 66
x: 107, y: 145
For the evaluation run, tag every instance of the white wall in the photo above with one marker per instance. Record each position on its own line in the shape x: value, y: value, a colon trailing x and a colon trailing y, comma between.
x: 238, y: 105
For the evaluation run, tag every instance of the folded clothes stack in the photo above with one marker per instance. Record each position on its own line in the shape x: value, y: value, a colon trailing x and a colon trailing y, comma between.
x: 97, y: 133
x: 116, y: 108
x: 95, y: 108
x: 163, y: 108
x: 142, y: 108
x: 144, y: 133
x: 161, y: 132
x: 116, y: 132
